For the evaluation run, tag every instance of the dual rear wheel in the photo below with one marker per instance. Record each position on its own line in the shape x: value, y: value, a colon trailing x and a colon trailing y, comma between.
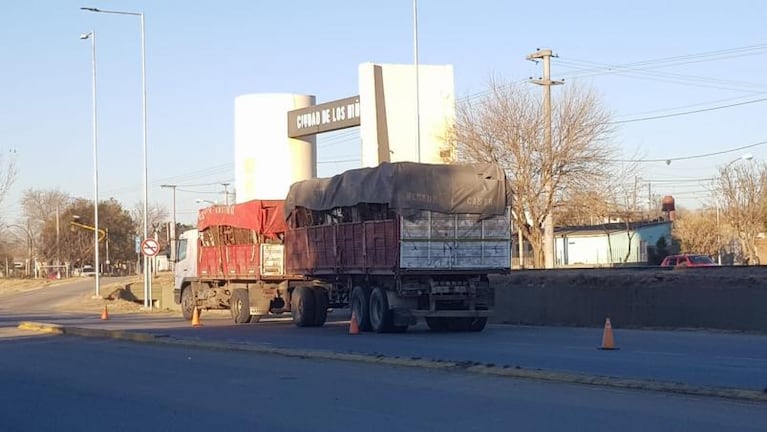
x: 309, y: 306
x: 371, y: 308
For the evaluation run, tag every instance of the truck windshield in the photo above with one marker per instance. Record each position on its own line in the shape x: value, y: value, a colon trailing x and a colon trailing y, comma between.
x: 181, y: 250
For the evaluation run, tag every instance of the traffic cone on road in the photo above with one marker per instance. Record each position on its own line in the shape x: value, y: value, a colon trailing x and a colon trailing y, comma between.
x: 196, y: 318
x: 608, y: 341
x: 105, y: 313
x: 354, y: 327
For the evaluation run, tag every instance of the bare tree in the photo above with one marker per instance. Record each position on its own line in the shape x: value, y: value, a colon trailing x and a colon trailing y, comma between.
x: 157, y: 215
x: 698, y: 231
x: 40, y: 208
x: 740, y: 191
x: 7, y: 174
x: 506, y: 127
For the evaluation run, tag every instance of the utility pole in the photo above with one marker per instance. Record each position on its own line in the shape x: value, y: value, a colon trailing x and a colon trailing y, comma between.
x: 226, y: 193
x: 546, y: 82
x: 172, y: 224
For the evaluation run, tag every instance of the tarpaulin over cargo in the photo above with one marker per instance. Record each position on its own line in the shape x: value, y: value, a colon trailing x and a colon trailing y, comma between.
x: 409, y: 187
x: 264, y: 217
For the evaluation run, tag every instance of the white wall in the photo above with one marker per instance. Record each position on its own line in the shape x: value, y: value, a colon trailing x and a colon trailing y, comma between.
x: 266, y: 161
x: 388, y: 112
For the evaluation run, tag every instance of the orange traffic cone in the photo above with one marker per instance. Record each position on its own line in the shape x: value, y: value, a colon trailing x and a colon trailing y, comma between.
x: 196, y: 318
x: 354, y: 327
x: 105, y: 313
x: 608, y: 342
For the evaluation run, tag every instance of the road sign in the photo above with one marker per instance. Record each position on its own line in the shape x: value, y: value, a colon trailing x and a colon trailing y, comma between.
x: 150, y: 247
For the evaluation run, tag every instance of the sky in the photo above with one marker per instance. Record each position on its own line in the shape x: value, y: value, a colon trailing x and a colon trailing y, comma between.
x: 651, y: 62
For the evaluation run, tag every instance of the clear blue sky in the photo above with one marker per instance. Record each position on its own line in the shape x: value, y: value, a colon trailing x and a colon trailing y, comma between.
x: 202, y: 54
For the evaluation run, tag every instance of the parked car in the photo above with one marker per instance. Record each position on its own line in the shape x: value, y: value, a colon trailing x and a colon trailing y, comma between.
x: 87, y: 270
x: 688, y: 260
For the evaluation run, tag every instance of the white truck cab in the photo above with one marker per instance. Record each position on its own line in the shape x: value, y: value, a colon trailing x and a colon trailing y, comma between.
x: 186, y: 266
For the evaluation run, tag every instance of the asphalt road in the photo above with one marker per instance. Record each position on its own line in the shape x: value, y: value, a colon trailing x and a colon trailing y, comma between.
x: 690, y: 357
x: 63, y: 383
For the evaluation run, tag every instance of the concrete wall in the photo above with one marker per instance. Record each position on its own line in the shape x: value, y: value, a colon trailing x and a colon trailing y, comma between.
x: 718, y: 298
x: 388, y: 112
x: 266, y: 161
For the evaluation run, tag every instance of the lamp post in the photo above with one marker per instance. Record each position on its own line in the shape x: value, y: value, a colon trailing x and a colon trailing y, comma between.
x: 201, y: 201
x: 147, y: 278
x: 29, y: 246
x: 96, y: 265
x: 417, y: 82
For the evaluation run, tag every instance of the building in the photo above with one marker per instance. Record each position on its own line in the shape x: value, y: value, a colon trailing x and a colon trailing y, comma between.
x: 608, y: 244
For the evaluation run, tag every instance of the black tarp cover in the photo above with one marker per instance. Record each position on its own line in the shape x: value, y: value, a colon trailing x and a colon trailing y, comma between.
x: 408, y: 187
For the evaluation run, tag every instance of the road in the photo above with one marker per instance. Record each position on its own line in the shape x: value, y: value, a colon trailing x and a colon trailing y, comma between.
x: 691, y: 357
x: 63, y: 383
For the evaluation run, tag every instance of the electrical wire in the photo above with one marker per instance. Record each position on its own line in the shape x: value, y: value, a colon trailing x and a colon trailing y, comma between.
x: 699, y: 156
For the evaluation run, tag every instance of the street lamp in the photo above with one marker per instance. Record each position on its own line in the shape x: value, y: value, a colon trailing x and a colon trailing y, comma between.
x: 96, y: 265
x: 744, y: 157
x: 200, y: 201
x: 147, y: 279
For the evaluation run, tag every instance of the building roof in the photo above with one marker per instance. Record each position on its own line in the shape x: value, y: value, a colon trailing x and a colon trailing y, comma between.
x: 608, y: 228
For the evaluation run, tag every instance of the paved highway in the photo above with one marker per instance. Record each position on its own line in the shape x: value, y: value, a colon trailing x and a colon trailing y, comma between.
x: 63, y: 383
x: 691, y: 357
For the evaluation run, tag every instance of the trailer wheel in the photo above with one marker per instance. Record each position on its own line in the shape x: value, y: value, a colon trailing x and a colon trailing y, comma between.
x: 321, y: 302
x: 302, y: 306
x: 380, y: 314
x: 239, y: 306
x: 360, y: 305
x: 187, y: 303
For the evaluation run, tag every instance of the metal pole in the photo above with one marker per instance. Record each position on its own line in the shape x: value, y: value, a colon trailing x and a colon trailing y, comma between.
x: 226, y: 193
x: 417, y: 81
x: 147, y: 275
x: 96, y: 263
x: 58, y: 235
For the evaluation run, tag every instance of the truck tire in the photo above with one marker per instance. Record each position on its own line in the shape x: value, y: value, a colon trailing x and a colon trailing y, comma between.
x: 239, y: 306
x: 360, y: 306
x: 321, y: 303
x: 478, y: 324
x: 467, y: 324
x: 437, y: 324
x: 380, y: 314
x: 302, y: 307
x: 187, y: 303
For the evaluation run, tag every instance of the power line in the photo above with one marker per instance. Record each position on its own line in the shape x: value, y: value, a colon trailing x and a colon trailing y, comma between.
x: 699, y: 156
x: 663, y: 116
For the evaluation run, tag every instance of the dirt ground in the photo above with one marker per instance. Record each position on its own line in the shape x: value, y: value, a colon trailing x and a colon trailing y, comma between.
x: 12, y: 286
x: 119, y: 296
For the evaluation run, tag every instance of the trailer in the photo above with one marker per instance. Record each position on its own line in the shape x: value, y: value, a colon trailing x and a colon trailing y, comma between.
x: 403, y: 241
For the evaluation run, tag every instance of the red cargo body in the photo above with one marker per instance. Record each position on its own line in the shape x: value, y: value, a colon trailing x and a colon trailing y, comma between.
x: 370, y: 247
x: 231, y: 238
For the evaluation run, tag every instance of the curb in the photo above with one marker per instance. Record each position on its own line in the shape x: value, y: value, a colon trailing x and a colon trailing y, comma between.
x: 415, y: 362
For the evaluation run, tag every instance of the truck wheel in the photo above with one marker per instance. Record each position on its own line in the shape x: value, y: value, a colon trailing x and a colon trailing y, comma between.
x: 239, y: 305
x: 187, y: 303
x: 380, y: 314
x: 436, y: 324
x: 360, y: 305
x: 478, y: 324
x: 302, y: 307
x: 321, y: 303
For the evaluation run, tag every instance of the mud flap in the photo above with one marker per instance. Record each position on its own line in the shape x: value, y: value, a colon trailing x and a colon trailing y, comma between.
x: 403, y: 317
